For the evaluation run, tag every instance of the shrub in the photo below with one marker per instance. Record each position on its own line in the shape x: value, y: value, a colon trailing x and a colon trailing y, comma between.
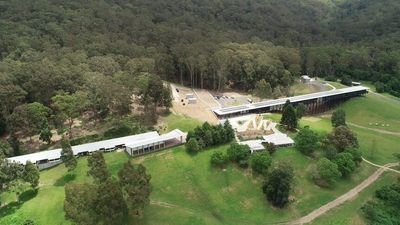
x: 327, y: 173
x: 117, y: 132
x: 345, y: 163
x: 260, y: 162
x: 306, y: 141
x: 331, y: 78
x: 192, y: 146
x: 237, y: 152
x: 218, y: 159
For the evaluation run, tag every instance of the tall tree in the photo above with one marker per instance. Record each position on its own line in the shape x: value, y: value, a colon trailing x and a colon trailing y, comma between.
x: 136, y: 188
x: 306, y: 141
x: 67, y: 107
x: 98, y: 168
x: 30, y: 118
x: 278, y: 184
x: 263, y: 89
x: 31, y: 174
x: 289, y: 117
x: 301, y: 110
x: 109, y: 205
x: 342, y: 137
x: 338, y: 118
x: 67, y: 155
x: 79, y: 203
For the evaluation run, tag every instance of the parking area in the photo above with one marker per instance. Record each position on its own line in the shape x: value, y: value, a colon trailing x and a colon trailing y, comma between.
x: 227, y: 99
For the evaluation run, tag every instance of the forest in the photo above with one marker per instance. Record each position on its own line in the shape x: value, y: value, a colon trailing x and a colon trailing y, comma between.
x: 60, y: 59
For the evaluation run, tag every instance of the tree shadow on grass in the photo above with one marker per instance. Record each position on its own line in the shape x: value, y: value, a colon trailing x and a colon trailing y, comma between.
x: 62, y: 181
x: 14, y: 206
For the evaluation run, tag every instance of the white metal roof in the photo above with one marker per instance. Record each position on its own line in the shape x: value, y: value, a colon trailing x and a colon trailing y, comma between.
x: 306, y: 77
x: 254, y: 145
x: 175, y: 134
x: 281, y: 101
x: 278, y: 139
x: 89, y: 147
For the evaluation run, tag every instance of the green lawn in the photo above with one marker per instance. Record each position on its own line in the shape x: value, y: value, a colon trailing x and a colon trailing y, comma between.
x: 186, y: 190
x: 350, y: 212
x: 301, y: 89
x: 184, y: 123
x: 374, y: 111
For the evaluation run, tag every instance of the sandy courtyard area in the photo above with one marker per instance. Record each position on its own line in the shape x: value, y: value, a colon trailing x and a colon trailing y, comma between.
x: 200, y: 110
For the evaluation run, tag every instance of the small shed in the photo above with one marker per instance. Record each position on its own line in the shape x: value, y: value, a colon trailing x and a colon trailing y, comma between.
x: 192, y: 100
x: 190, y: 95
x: 305, y: 79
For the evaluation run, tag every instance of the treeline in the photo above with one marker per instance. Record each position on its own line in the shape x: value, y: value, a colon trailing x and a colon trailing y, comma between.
x: 209, y: 135
x: 45, y: 90
x: 105, y: 51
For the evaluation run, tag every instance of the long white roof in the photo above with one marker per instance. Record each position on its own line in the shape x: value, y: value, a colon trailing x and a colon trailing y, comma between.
x: 175, y: 134
x: 281, y: 101
x: 89, y: 147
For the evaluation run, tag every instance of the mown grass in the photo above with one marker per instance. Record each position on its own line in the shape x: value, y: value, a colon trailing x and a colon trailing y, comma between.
x: 350, y: 212
x: 186, y: 190
x: 184, y: 123
x: 374, y: 111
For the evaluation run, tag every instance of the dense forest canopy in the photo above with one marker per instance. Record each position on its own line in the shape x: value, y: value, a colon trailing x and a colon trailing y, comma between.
x: 104, y: 51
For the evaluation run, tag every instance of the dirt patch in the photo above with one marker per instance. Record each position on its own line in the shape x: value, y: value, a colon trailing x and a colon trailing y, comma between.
x: 246, y: 203
x: 200, y: 110
x: 312, y: 119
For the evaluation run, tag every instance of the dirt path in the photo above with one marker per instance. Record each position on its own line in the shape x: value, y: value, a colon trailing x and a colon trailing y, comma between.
x: 376, y: 130
x: 345, y: 197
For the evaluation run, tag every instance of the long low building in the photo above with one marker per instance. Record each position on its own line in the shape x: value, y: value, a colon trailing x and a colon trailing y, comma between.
x: 144, y: 143
x: 313, y: 99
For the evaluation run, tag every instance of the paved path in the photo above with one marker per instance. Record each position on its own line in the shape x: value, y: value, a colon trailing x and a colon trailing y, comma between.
x: 345, y: 197
x: 376, y: 130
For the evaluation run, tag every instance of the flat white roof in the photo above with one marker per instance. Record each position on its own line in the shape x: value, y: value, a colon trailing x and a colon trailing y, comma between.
x: 89, y: 147
x: 278, y: 139
x: 281, y: 101
x: 306, y: 77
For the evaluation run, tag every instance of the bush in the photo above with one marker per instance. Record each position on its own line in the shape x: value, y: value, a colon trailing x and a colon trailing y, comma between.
x: 357, y: 155
x: 218, y: 159
x: 331, y: 78
x: 306, y: 141
x: 380, y: 87
x: 327, y: 173
x: 85, y: 139
x: 346, y: 80
x: 260, y: 162
x: 192, y: 146
x: 345, y: 163
x: 278, y: 184
x: 117, y: 132
x: 237, y: 152
x: 270, y: 147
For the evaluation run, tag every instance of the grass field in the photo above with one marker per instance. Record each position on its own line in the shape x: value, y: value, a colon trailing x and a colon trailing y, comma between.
x: 350, y: 212
x: 186, y: 190
x: 374, y: 111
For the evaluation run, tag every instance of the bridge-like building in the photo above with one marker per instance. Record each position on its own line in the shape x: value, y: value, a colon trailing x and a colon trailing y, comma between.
x: 315, y: 102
